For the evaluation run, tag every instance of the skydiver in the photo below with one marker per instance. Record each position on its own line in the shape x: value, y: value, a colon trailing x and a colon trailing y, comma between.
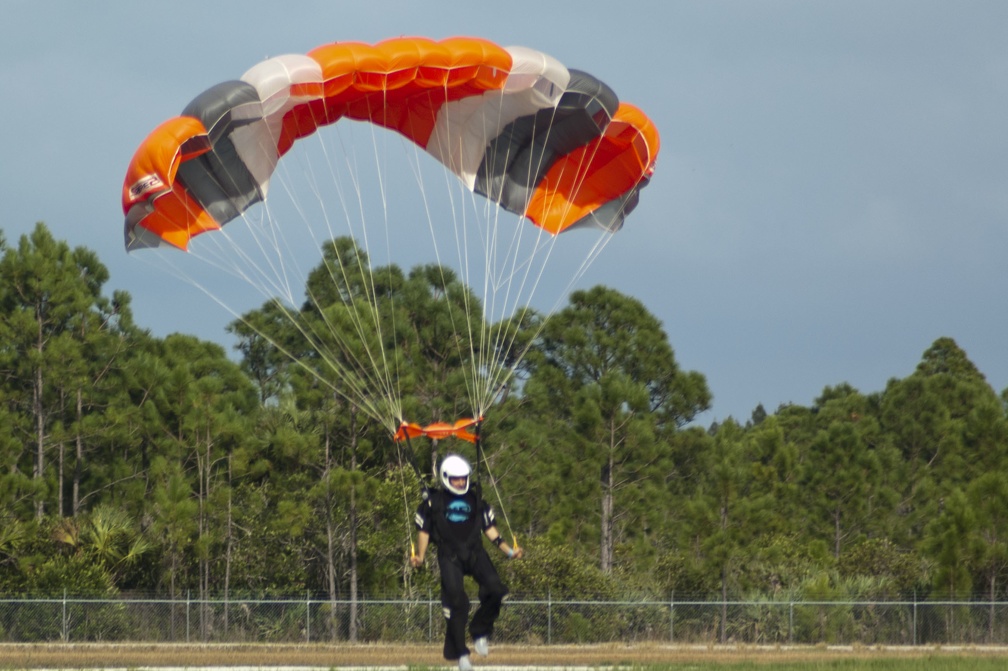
x: 453, y: 516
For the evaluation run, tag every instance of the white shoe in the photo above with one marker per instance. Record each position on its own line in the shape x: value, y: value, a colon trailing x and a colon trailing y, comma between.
x: 482, y: 645
x: 465, y: 664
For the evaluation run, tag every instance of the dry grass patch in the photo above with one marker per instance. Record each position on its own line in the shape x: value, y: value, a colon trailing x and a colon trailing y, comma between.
x: 128, y: 656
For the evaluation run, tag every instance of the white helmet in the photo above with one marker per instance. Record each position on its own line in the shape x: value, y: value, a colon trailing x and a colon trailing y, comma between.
x: 455, y: 466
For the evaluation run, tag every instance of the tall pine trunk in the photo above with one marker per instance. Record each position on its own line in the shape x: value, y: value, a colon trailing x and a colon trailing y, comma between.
x: 330, y: 535
x: 204, y: 530
x: 229, y: 545
x: 79, y: 454
x: 38, y: 473
x: 724, y: 581
x: 353, y: 527
x: 608, y: 505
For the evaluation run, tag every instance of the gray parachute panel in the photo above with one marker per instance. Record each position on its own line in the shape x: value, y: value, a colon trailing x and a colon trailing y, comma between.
x: 516, y: 161
x: 219, y: 179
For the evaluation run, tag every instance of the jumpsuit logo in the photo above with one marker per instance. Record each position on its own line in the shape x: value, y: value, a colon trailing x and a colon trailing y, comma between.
x: 458, y: 511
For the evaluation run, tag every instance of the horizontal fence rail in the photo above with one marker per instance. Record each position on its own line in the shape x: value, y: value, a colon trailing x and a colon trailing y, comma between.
x: 526, y: 621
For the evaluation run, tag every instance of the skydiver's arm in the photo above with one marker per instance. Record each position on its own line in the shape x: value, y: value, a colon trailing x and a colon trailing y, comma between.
x: 423, y: 538
x: 498, y: 540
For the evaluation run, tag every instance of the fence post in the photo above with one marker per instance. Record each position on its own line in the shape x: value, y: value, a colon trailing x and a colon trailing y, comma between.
x: 790, y: 623
x: 430, y: 616
x: 672, y: 617
x: 915, y: 618
x: 307, y: 611
x: 549, y: 617
x: 993, y: 613
x: 65, y: 633
x: 188, y: 603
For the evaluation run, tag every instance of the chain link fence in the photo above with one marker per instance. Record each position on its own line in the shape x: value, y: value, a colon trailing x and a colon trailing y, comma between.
x: 524, y: 621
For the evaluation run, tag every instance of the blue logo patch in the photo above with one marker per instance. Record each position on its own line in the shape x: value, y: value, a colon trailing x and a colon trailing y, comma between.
x: 458, y: 510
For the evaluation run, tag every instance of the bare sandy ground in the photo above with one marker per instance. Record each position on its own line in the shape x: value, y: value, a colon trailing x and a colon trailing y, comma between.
x: 318, y: 656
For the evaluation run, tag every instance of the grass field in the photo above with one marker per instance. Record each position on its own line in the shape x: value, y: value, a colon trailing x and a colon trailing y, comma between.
x: 502, y: 658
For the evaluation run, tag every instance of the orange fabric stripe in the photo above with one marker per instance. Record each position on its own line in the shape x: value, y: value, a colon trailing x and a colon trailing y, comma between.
x: 587, y: 178
x: 399, y: 83
x: 402, y: 83
x: 408, y: 430
x: 439, y: 430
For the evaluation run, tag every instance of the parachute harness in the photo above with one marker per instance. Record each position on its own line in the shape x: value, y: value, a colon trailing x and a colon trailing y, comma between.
x: 437, y: 431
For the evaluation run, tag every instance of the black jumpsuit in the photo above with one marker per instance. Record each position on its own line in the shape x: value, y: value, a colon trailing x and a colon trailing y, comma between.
x: 456, y: 525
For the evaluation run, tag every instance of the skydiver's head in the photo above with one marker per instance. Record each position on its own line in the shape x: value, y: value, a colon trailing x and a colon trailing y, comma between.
x: 455, y: 474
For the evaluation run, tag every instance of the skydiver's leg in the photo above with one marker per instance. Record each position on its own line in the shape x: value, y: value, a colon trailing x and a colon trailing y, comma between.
x: 491, y: 594
x: 455, y: 603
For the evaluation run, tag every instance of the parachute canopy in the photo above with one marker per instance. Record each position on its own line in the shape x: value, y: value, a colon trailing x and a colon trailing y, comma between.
x: 551, y: 144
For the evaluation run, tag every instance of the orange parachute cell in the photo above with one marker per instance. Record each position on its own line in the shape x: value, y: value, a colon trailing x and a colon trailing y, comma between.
x: 155, y: 163
x: 609, y: 171
x: 151, y: 194
x: 403, y: 83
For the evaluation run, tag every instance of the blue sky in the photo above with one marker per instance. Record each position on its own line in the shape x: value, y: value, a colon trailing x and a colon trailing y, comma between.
x: 830, y: 197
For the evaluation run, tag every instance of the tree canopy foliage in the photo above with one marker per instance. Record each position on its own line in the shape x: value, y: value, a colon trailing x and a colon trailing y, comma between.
x: 130, y: 462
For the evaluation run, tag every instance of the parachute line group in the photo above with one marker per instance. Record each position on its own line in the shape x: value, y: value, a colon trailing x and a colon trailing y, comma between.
x: 296, y: 156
